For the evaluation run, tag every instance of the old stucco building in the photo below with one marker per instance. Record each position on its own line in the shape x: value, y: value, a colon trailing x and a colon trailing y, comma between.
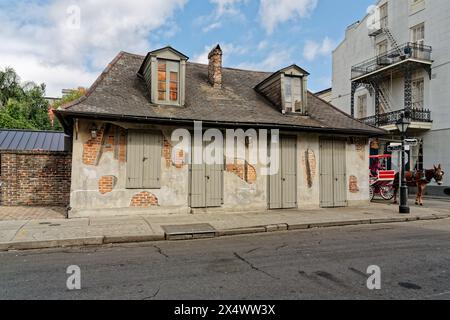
x: 397, y: 58
x: 123, y: 152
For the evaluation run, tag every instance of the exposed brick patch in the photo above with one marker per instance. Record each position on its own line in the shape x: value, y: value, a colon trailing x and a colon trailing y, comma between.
x: 122, y: 145
x: 310, y: 164
x: 167, y: 154
x: 106, y: 184
x: 92, y: 148
x: 109, y: 138
x: 35, y: 178
x: 144, y: 200
x: 245, y: 171
x: 353, y: 184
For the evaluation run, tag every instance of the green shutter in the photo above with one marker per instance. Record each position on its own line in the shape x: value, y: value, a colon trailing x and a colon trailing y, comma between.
x: 289, y: 172
x: 339, y: 170
x: 283, y: 184
x: 198, y: 190
x: 144, y: 160
x: 152, y: 149
x: 214, y: 185
x: 134, y: 160
x: 332, y: 173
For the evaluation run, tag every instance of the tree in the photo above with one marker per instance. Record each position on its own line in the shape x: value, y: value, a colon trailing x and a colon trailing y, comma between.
x: 23, y: 106
x: 73, y: 96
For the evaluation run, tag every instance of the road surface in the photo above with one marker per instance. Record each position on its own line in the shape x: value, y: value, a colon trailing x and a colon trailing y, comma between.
x: 316, y: 264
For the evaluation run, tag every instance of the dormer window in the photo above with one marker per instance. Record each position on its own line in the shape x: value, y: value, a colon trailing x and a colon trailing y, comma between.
x: 287, y: 89
x: 168, y: 81
x: 293, y: 93
x: 164, y: 71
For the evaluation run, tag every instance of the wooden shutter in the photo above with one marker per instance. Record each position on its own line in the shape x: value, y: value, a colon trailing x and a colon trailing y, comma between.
x: 198, y: 190
x: 214, y: 185
x: 326, y: 174
x: 152, y: 151
x: 134, y: 160
x: 275, y: 188
x: 289, y: 172
x: 144, y: 160
x: 339, y: 174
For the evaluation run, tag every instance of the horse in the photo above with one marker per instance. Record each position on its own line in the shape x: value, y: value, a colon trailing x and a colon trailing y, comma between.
x: 420, y: 180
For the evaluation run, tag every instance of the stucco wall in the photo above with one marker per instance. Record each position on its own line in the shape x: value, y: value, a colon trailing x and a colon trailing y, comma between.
x: 99, y: 179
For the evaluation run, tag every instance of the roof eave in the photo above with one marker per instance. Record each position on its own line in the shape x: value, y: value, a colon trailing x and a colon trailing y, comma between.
x: 67, y: 117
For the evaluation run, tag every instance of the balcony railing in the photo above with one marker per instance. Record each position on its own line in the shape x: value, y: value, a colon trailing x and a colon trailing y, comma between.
x: 416, y: 115
x: 407, y: 51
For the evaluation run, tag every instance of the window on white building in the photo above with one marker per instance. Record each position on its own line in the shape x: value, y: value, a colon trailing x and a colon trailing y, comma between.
x: 362, y: 106
x: 418, y: 88
x: 418, y: 39
x: 416, y: 6
x: 384, y: 15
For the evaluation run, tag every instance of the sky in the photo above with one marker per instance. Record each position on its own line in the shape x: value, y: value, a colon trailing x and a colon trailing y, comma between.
x: 68, y: 43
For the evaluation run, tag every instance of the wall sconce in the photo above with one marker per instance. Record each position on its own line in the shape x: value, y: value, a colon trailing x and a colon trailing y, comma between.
x: 94, y: 131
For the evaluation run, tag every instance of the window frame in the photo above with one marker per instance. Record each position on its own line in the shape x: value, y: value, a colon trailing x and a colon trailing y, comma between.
x: 293, y: 93
x: 172, y: 67
x: 415, y: 92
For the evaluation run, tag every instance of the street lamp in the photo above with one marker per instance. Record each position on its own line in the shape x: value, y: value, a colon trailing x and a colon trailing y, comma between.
x: 402, y: 125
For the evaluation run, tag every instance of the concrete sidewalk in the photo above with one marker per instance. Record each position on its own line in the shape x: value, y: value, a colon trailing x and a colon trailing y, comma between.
x: 39, y: 234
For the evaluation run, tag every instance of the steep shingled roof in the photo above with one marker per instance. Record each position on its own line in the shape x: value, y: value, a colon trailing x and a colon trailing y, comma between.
x: 120, y: 93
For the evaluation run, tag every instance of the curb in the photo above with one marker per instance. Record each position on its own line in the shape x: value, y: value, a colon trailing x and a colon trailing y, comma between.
x: 102, y: 240
x: 49, y: 244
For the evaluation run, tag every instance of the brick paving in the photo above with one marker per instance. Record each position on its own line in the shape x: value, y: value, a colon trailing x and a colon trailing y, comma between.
x: 31, y: 213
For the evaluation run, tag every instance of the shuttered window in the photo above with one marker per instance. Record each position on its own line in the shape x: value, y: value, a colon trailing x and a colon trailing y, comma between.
x: 144, y: 151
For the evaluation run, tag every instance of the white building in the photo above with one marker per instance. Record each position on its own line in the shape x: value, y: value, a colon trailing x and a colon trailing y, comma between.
x: 397, y: 58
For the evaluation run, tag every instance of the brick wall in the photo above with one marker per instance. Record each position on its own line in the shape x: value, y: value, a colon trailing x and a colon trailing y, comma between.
x: 109, y: 138
x: 35, y: 178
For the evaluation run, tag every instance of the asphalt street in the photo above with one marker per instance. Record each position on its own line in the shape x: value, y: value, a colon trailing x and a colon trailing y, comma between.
x: 414, y: 259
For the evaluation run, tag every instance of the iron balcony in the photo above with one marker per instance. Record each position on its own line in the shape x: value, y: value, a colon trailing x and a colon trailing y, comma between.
x: 408, y: 53
x: 391, y: 118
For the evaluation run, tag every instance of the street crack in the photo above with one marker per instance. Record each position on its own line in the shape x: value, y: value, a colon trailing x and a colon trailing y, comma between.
x: 251, y: 265
x: 161, y: 252
x: 153, y: 296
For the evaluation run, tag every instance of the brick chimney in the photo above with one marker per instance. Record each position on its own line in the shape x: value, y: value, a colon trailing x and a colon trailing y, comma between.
x: 215, y: 67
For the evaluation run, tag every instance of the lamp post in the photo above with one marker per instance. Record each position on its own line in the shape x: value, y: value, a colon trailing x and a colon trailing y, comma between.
x: 402, y: 126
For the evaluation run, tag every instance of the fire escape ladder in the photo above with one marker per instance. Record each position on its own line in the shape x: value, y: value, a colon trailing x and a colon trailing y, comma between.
x: 392, y: 40
x: 386, y: 98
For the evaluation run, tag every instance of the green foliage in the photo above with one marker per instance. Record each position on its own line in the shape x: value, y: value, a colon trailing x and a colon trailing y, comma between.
x: 23, y: 106
x: 74, y: 95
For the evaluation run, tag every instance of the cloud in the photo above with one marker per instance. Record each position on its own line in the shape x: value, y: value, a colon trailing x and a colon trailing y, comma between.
x: 212, y: 26
x: 227, y: 6
x: 314, y: 49
x: 65, y: 45
x: 273, y: 61
x: 274, y: 12
x: 223, y: 10
x: 228, y: 49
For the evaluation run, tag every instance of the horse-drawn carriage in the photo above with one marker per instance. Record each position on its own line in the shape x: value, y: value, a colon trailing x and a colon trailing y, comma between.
x: 381, y: 179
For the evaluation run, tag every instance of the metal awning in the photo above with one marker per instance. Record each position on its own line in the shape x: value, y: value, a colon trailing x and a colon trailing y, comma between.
x: 23, y: 140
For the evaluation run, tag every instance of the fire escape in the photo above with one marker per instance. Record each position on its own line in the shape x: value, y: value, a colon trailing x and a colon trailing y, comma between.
x: 400, y: 60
